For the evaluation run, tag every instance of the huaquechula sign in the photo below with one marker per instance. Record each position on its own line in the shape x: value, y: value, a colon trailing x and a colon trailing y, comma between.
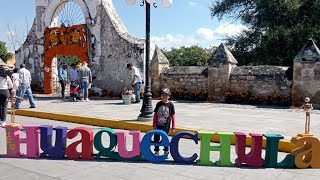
x: 306, y: 154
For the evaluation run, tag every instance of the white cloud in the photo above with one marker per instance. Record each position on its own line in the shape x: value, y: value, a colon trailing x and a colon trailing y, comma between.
x: 168, y: 41
x: 195, y: 4
x: 228, y: 29
x: 8, y: 33
x: 204, y: 37
x: 192, y: 3
x: 205, y: 33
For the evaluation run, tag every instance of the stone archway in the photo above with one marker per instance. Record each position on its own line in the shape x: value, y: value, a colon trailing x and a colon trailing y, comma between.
x: 67, y: 35
x: 105, y: 44
x: 66, y: 41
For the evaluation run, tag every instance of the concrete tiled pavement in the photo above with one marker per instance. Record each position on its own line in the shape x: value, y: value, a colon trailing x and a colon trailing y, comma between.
x: 209, y: 116
x: 11, y: 168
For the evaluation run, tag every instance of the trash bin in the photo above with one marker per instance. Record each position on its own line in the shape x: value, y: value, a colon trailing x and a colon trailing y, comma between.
x: 126, y: 99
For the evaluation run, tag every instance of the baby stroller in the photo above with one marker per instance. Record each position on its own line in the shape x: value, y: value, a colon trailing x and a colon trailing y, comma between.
x: 75, y: 91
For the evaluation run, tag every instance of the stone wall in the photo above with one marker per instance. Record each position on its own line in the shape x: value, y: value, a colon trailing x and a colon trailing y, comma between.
x: 222, y: 75
x: 184, y: 78
x: 260, y: 80
x: 306, y: 74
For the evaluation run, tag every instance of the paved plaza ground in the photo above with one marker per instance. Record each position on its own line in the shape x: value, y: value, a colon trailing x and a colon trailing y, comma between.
x: 218, y: 117
x: 208, y: 116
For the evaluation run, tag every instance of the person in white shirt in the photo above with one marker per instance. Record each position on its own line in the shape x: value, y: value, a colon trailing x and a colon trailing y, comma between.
x: 24, y: 86
x: 136, y: 80
x: 5, y: 85
x: 15, y: 79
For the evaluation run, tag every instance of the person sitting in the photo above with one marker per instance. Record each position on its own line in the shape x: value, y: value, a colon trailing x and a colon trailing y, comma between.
x: 74, y: 88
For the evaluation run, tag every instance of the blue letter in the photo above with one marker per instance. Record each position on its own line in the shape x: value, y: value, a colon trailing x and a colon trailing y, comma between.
x: 174, y: 146
x: 147, y: 142
x: 58, y: 151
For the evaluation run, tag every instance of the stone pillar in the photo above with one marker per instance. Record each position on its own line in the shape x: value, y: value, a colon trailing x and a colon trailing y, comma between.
x: 158, y: 63
x: 306, y: 75
x: 220, y: 66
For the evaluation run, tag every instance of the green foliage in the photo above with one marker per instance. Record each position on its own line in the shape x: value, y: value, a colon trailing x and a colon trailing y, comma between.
x: 188, y: 56
x: 69, y: 59
x: 277, y: 29
x: 4, y: 54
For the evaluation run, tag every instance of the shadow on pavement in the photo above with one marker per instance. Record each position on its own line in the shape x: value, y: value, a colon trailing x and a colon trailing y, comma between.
x: 136, y: 161
x: 115, y: 103
x: 136, y: 120
x: 272, y: 107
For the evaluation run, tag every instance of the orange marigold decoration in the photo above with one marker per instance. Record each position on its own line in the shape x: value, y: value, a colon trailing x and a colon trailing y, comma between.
x: 68, y: 41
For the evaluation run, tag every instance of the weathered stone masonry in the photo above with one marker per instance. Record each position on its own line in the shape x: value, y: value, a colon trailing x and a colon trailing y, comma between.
x: 223, y: 75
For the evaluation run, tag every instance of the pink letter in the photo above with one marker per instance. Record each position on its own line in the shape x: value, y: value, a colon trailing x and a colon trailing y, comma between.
x: 122, y: 150
x: 253, y: 158
x: 14, y: 140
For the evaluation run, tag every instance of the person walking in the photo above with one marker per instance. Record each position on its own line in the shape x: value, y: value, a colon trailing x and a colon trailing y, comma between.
x: 85, y: 77
x: 15, y: 79
x: 136, y: 80
x: 62, y: 74
x: 5, y: 85
x: 24, y: 86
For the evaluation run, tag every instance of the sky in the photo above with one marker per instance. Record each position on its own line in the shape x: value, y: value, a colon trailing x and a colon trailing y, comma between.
x: 186, y: 23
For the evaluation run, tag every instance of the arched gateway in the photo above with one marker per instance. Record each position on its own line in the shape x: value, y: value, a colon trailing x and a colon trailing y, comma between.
x: 88, y: 29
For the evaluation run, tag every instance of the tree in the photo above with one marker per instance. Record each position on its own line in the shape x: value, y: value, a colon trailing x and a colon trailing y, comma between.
x: 277, y: 29
x: 4, y: 54
x: 187, y: 56
x: 16, y: 38
x: 69, y: 59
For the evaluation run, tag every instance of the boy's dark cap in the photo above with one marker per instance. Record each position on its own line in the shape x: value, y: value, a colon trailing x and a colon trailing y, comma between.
x: 73, y: 85
x: 165, y: 91
x: 129, y: 65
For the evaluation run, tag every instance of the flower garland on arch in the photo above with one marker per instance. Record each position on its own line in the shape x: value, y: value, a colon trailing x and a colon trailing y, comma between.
x: 63, y: 41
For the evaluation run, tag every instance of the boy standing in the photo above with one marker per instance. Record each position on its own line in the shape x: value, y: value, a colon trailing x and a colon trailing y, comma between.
x: 164, y: 114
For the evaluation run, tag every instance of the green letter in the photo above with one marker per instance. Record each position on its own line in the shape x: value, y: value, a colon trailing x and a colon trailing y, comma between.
x: 224, y: 148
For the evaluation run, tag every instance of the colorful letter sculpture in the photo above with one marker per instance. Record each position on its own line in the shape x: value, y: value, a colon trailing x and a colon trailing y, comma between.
x: 308, y: 153
x: 205, y: 148
x: 146, y: 143
x: 224, y: 148
x: 59, y: 150
x: 14, y: 140
x: 271, y: 156
x: 98, y: 144
x: 253, y: 158
x: 86, y: 144
x: 122, y: 148
x: 174, y: 146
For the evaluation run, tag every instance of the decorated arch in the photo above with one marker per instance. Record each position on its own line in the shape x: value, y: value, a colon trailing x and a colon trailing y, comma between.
x: 88, y: 29
x: 63, y: 41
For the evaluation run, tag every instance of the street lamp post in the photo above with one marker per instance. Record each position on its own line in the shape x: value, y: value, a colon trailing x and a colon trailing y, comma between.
x: 146, y: 109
